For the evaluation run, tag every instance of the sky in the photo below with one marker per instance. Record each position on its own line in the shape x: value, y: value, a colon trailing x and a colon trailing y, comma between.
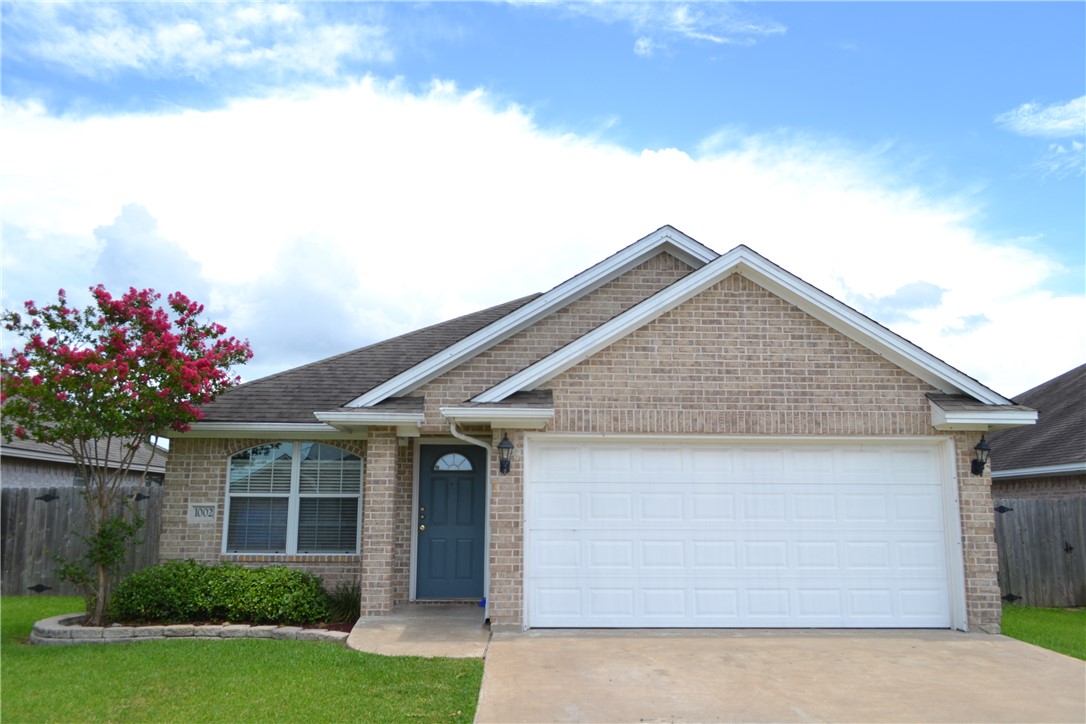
x: 323, y: 176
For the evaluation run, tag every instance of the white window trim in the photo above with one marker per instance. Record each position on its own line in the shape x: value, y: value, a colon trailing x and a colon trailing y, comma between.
x: 293, y: 505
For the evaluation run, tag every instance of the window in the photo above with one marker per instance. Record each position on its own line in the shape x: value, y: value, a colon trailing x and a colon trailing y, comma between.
x: 293, y: 497
x: 452, y: 461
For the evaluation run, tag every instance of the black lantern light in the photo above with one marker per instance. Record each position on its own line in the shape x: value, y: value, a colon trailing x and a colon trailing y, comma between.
x: 983, y: 450
x: 505, y: 449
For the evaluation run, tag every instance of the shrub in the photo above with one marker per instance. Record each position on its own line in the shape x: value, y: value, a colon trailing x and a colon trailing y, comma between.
x: 345, y: 602
x: 189, y: 591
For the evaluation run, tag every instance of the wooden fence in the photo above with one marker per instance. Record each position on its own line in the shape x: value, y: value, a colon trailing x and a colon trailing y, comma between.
x: 40, y: 523
x: 1042, y: 550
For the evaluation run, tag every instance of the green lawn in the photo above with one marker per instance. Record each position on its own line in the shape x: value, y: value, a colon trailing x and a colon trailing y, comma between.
x: 218, y: 680
x: 1058, y: 629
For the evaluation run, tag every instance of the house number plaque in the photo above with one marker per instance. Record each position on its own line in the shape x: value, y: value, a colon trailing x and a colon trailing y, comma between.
x: 202, y: 513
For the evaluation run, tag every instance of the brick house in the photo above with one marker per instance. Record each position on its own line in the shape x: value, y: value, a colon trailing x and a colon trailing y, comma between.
x: 693, y: 439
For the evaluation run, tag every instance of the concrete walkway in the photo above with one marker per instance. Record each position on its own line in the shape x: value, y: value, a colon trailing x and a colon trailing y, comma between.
x: 760, y: 676
x: 453, y: 631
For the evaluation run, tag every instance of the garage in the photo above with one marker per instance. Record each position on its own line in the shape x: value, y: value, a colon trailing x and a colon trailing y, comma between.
x: 641, y: 533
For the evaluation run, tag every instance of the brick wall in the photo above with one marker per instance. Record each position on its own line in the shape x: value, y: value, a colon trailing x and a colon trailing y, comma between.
x: 983, y: 605
x: 379, y: 522
x: 196, y: 473
x: 1052, y: 486
x: 739, y: 360
x: 505, y: 599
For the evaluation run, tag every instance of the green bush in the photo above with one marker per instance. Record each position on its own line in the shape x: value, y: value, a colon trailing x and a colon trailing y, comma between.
x: 189, y: 591
x: 345, y: 602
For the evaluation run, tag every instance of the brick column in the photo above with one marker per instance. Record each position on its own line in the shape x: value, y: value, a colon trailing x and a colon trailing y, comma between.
x: 505, y: 599
x: 983, y: 606
x: 378, y: 522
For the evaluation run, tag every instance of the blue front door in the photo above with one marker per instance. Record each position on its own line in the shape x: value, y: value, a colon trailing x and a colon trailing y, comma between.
x: 451, y: 521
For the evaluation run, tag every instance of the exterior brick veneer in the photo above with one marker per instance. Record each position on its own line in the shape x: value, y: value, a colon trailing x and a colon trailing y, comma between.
x: 379, y: 522
x: 735, y: 360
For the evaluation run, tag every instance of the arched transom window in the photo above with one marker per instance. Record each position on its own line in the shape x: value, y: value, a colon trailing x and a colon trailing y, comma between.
x: 452, y: 462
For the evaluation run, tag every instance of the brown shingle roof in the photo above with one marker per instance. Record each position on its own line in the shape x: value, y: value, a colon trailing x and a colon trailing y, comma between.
x: 1058, y: 438
x: 295, y: 394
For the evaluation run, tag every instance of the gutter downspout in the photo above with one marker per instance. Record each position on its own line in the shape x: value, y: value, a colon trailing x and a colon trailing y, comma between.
x: 489, y: 453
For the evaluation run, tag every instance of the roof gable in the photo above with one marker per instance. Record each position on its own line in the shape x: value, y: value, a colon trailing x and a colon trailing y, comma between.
x: 743, y: 260
x: 665, y: 239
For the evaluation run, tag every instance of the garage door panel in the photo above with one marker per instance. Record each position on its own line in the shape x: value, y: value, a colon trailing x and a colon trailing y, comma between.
x: 784, y: 602
x: 602, y: 554
x: 753, y: 535
x: 783, y: 505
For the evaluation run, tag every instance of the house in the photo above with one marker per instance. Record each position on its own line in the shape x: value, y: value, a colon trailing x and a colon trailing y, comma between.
x: 1039, y: 490
x: 671, y: 438
x: 32, y: 464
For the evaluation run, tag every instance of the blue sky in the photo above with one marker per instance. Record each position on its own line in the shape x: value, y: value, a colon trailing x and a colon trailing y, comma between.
x: 327, y: 175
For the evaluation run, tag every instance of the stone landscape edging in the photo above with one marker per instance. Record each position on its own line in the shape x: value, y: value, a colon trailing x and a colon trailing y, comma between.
x: 60, y: 631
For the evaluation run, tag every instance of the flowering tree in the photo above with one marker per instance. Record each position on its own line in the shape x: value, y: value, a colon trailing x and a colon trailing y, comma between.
x: 100, y: 383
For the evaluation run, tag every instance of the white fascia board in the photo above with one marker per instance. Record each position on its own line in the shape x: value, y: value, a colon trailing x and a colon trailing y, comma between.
x: 663, y: 239
x: 407, y: 424
x: 1040, y: 470
x: 994, y: 419
x: 512, y: 418
x: 279, y: 430
x: 744, y: 261
x: 370, y: 417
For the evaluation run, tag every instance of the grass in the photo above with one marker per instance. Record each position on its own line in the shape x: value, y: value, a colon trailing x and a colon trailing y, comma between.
x: 243, y: 680
x: 1058, y: 629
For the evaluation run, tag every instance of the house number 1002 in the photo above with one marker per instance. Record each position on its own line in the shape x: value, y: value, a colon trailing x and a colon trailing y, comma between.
x: 202, y: 512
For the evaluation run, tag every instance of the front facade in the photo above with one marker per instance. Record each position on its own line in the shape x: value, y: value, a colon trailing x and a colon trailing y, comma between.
x: 696, y: 440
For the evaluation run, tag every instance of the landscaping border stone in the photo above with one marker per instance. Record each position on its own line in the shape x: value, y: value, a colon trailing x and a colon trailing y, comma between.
x: 63, y: 631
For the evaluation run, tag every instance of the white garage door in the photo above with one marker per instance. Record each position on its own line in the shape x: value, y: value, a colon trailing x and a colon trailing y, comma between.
x: 735, y: 535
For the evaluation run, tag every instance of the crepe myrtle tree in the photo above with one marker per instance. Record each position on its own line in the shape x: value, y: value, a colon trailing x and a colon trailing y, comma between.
x: 101, y: 383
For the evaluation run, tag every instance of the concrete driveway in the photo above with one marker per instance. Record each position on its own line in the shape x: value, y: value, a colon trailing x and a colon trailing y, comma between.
x: 759, y: 676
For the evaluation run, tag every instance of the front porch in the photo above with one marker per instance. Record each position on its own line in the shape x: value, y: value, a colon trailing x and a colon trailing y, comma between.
x: 456, y: 631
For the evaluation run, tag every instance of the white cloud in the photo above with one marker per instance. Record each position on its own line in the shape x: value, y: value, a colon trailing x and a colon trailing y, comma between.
x: 645, y: 47
x: 325, y: 219
x: 1063, y: 160
x: 194, y: 39
x: 1056, y: 120
x: 717, y: 23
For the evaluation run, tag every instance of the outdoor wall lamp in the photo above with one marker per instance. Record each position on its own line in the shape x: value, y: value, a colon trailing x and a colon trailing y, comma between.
x: 505, y: 449
x: 983, y: 450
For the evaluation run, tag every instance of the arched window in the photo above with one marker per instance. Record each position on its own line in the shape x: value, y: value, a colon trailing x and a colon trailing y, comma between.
x: 293, y: 497
x: 452, y: 462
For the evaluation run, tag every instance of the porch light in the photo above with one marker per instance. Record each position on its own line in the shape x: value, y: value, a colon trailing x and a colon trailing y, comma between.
x: 983, y: 450
x: 505, y: 449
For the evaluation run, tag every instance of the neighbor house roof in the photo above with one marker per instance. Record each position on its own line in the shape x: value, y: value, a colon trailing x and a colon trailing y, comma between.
x: 34, y: 450
x: 1056, y: 445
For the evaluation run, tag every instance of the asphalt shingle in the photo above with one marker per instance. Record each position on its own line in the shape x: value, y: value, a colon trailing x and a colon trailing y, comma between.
x: 1058, y: 438
x: 294, y: 395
